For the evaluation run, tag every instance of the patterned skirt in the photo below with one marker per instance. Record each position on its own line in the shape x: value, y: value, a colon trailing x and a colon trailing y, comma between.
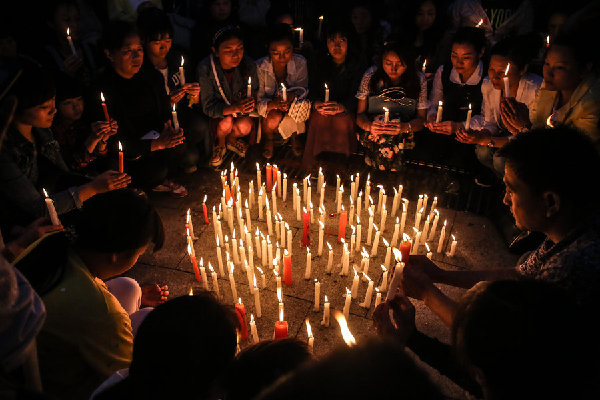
x: 385, y: 152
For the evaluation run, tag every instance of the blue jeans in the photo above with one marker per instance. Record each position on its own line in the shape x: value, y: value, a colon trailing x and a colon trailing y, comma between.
x: 487, y: 156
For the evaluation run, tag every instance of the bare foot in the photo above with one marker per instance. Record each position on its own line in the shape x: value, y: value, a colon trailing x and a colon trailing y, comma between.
x: 153, y: 295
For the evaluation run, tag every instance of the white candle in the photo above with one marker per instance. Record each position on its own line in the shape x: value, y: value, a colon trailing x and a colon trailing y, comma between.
x: 429, y: 253
x: 352, y: 188
x: 234, y: 245
x: 249, y: 87
x: 403, y: 219
x: 70, y: 40
x: 215, y: 281
x: 289, y: 238
x: 418, y: 218
x: 468, y: 121
x: 346, y: 310
x: 353, y: 239
x: 203, y: 274
x: 452, y: 247
x: 384, y: 279
x: 301, y: 36
x: 355, y: 282
x: 294, y: 203
x: 434, y: 225
x: 375, y: 242
x: 419, y: 205
x: 283, y: 92
x: 257, y: 243
x: 326, y: 306
x: 317, y: 295
x: 396, y: 233
x: 329, y: 260
x: 337, y: 185
x: 425, y: 230
x: 181, y: 73
x: 424, y: 67
x: 377, y: 298
x: 321, y: 233
x: 440, y: 110
x: 175, y: 120
x: 257, y: 305
x: 263, y: 251
x: 305, y: 189
x: 367, y: 191
x: 220, y: 259
x: 298, y: 206
x: 269, y: 250
x: 232, y: 284
x: 278, y: 183
x: 253, y: 330
x: 309, y: 334
x: 269, y: 219
x: 258, y: 176
x: 395, y: 203
x: 51, y: 210
x: 367, y: 302
x: 442, y: 236
x: 380, y: 198
x: 251, y: 257
x: 425, y: 201
x: 365, y: 263
x: 388, y: 253
x: 383, y: 217
x: 345, y: 259
x: 326, y: 92
x: 284, y: 187
x: 506, y: 82
x: 358, y: 234
x: 433, y: 207
x: 339, y: 198
x: 370, y: 228
x: 415, y: 246
x: 386, y: 115
x: 308, y: 264
x: 263, y: 279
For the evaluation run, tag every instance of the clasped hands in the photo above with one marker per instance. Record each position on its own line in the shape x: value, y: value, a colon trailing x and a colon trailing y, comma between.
x: 329, y: 108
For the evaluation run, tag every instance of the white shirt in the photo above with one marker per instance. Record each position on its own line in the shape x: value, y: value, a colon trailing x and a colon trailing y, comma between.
x: 490, y: 108
x: 297, y: 76
x: 437, y: 91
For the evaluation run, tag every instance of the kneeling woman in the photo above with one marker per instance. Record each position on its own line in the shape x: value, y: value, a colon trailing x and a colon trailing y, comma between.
x: 223, y: 77
x: 396, y: 85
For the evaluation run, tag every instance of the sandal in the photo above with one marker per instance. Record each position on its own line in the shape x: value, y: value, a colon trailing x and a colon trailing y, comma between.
x: 217, y: 156
x: 268, y: 149
x: 239, y: 147
x: 174, y: 189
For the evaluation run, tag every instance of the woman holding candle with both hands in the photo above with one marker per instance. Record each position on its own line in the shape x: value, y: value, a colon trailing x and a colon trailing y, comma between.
x: 224, y: 77
x: 395, y: 84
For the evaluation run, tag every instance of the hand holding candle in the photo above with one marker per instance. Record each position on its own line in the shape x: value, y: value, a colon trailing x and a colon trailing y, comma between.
x: 51, y: 210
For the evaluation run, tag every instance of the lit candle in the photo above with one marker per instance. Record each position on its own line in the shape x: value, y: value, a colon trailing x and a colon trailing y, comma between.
x: 337, y: 184
x: 320, y: 28
x: 506, y: 82
x: 434, y: 224
x: 106, y: 116
x: 220, y: 259
x: 175, y: 120
x: 386, y: 115
x: 277, y: 276
x: 479, y: 23
x: 425, y: 230
x: 440, y: 110
x: 355, y: 282
x: 317, y: 295
x: 342, y: 224
x: 326, y: 306
x: 339, y: 198
x: 388, y: 253
x: 358, y: 234
x: 367, y: 301
x: 253, y: 330
x: 283, y: 92
x: 263, y: 251
x: 547, y: 41
x: 365, y: 262
x: 194, y: 264
x: 468, y: 122
x: 405, y: 246
x: 424, y: 67
x: 375, y: 242
x: 396, y: 233
x: 281, y: 327
x: 269, y: 251
x: 346, y: 309
x: 370, y: 229
x: 353, y: 239
x: 384, y: 279
x: 203, y: 274
x: 249, y: 87
x: 452, y: 247
x: 284, y: 187
x: 403, y: 219
x: 289, y: 238
x: 326, y: 93
x: 70, y: 40
x: 298, y: 207
x: 240, y: 311
x: 425, y: 201
x: 377, y: 298
x: 429, y: 253
x: 311, y: 339
x: 442, y: 237
x: 258, y: 176
x: 269, y: 220
x: 215, y: 280
x: 329, y: 260
x: 279, y: 183
x: 416, y: 240
x: 346, y: 334
x: 352, y: 188
x: 321, y: 233
x: 257, y: 305
x: 322, y: 198
x: 287, y: 268
x: 418, y: 218
x: 308, y: 264
x: 234, y: 245
x: 367, y: 191
x: 301, y: 36
x: 274, y: 171
x: 263, y: 279
x: 274, y: 198
x: 359, y: 203
x: 383, y: 217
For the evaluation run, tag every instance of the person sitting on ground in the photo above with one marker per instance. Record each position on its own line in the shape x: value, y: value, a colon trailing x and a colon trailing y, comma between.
x: 257, y: 367
x: 488, y: 130
x: 137, y: 100
x: 197, y: 348
x: 82, y: 145
x: 223, y: 77
x: 90, y: 323
x: 544, y: 195
x: 282, y: 67
x: 395, y: 84
x: 569, y: 96
x: 507, y: 337
x: 30, y: 159
x: 156, y: 32
x: 331, y: 128
x: 376, y: 369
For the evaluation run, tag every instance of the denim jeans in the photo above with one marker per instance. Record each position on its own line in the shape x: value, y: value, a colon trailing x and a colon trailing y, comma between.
x: 487, y: 156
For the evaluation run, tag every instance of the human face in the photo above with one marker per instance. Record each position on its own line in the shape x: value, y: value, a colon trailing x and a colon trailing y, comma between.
x: 496, y: 72
x: 361, y: 19
x: 71, y: 109
x: 127, y: 60
x: 425, y: 16
x: 338, y: 48
x: 561, y: 71
x: 230, y: 53
x: 281, y: 53
x: 555, y: 23
x: 527, y: 207
x: 464, y: 59
x: 393, y: 66
x: 40, y: 116
x: 158, y: 49
x: 220, y: 10
x: 66, y: 16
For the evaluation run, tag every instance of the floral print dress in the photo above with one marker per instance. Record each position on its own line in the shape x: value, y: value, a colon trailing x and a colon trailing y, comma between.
x: 386, y: 152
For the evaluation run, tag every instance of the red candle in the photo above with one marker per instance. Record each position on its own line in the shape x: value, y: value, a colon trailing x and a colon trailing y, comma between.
x: 281, y: 327
x: 121, y: 167
x: 104, y: 107
x: 194, y: 264
x: 305, y: 228
x: 405, y: 248
x: 205, y: 211
x: 274, y: 168
x: 287, y: 268
x: 269, y: 177
x: 343, y: 221
x: 227, y: 194
x: 240, y: 311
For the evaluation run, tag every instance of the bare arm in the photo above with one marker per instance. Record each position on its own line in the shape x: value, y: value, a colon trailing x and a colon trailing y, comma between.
x: 362, y: 120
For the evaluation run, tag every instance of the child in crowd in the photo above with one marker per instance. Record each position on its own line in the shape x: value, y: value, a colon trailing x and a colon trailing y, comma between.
x: 508, y: 63
x: 224, y: 78
x: 280, y: 72
x: 394, y: 84
x: 156, y: 32
x: 136, y: 98
x: 337, y: 71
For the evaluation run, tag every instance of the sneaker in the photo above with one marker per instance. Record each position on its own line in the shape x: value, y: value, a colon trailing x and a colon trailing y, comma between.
x: 239, y: 147
x: 217, y: 156
x: 174, y: 189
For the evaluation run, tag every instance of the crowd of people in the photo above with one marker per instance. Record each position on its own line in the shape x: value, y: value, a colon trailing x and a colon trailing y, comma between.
x: 506, y: 89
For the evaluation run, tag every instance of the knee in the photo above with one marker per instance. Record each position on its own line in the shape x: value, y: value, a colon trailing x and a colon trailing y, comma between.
x: 127, y: 291
x: 499, y: 165
x: 273, y: 119
x: 226, y: 124
x: 244, y: 126
x: 484, y: 154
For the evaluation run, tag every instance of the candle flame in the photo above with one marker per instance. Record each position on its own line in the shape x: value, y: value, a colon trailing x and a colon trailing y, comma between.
x: 322, y: 225
x: 376, y: 228
x: 210, y: 267
x: 201, y: 262
x: 479, y: 23
x: 424, y: 64
x: 239, y: 300
x: 383, y: 268
x: 387, y: 244
x: 440, y: 103
x: 548, y: 41
x: 325, y: 88
x: 285, y: 252
x: 298, y: 29
x: 68, y: 31
x: 191, y: 293
x: 367, y: 276
x: 346, y: 334
x: 469, y: 109
x: 45, y: 193
x: 102, y: 97
x: 274, y: 271
x: 507, y: 68
x: 427, y: 247
x: 326, y: 299
x: 351, y: 226
x: 189, y: 249
x: 549, y: 122
x: 385, y: 109
x: 279, y: 296
x: 182, y: 61
x: 173, y: 107
x: 397, y: 255
x: 232, y: 266
x: 249, y: 80
x: 405, y: 237
x: 282, y: 86
x: 308, y: 329
x: 321, y: 18
x: 453, y: 238
x: 254, y: 280
x: 226, y: 239
x: 328, y: 245
x: 445, y: 222
x: 251, y: 318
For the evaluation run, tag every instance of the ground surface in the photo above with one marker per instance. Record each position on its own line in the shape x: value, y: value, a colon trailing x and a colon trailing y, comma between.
x: 479, y: 245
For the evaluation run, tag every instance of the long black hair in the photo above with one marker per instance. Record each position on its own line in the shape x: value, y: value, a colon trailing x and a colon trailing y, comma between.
x: 409, y: 80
